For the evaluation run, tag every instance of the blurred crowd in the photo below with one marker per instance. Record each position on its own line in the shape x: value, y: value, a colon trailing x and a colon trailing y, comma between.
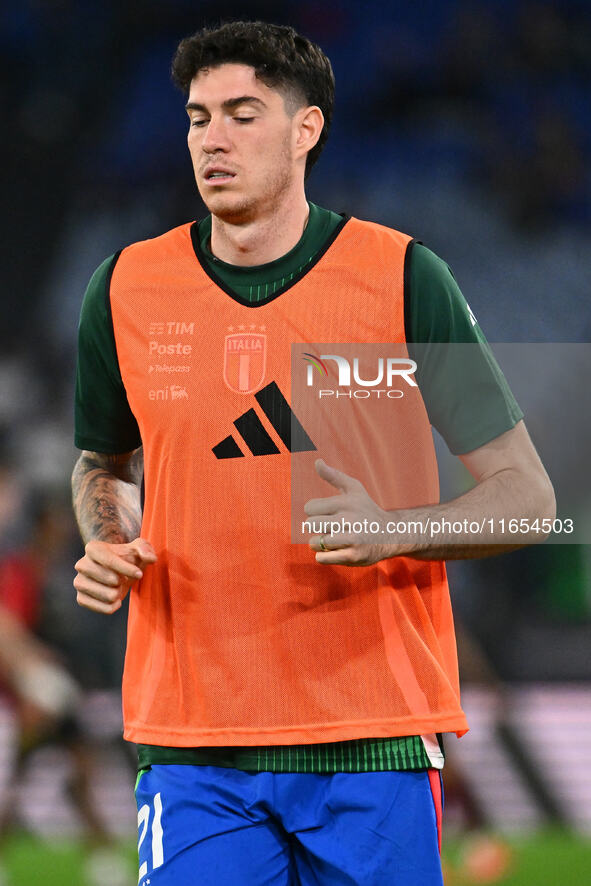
x: 494, y: 93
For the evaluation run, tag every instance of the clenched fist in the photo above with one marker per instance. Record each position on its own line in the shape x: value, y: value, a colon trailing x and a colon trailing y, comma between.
x: 107, y: 570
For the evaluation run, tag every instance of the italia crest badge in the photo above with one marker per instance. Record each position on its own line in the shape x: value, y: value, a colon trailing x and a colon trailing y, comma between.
x: 245, y: 357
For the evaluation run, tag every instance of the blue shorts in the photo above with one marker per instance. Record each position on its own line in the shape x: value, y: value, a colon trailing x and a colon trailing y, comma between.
x: 209, y: 826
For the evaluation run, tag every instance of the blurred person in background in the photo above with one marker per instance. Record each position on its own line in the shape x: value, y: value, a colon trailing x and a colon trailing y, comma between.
x: 36, y: 683
x: 261, y: 758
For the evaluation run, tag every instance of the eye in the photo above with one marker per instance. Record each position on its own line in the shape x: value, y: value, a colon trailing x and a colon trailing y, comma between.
x: 244, y: 119
x: 198, y: 122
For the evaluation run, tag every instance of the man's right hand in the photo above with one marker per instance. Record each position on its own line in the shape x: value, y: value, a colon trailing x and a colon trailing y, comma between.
x: 106, y: 572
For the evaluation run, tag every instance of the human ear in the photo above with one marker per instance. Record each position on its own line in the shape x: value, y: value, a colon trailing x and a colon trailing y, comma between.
x: 308, y: 127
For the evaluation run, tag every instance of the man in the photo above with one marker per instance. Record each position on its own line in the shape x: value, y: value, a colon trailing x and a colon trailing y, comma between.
x: 286, y: 706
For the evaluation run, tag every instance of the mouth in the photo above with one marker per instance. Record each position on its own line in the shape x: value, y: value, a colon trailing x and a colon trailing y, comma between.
x: 217, y: 176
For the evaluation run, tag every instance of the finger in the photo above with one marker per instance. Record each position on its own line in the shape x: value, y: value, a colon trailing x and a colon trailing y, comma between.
x: 318, y: 543
x: 345, y: 556
x: 144, y: 551
x: 98, y: 591
x: 96, y: 605
x: 332, y: 558
x: 327, y: 543
x: 104, y: 555
x: 337, y: 478
x: 323, y: 506
x: 101, y: 574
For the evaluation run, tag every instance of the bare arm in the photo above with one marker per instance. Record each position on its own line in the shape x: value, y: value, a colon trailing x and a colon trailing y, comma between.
x: 106, y: 493
x: 511, y: 483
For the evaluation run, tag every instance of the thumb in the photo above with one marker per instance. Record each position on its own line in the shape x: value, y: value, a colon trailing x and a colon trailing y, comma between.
x: 143, y: 551
x: 335, y: 477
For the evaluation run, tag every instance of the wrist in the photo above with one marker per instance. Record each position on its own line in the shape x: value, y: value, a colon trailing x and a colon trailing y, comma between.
x: 405, y: 532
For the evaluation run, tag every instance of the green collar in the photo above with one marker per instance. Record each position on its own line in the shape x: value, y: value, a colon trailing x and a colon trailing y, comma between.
x: 257, y: 282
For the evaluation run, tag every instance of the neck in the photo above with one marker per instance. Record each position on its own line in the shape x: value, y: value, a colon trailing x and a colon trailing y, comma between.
x: 262, y: 239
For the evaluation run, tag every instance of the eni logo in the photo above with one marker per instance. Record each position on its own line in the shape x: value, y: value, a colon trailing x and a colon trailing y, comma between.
x: 170, y: 392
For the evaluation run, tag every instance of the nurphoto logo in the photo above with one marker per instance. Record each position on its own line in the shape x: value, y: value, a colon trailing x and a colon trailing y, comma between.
x: 386, y: 372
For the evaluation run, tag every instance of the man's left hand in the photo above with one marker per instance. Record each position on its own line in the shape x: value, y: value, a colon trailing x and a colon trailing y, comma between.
x: 354, y: 523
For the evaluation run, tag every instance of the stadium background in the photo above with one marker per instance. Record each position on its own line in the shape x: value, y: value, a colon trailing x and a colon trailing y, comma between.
x: 467, y: 124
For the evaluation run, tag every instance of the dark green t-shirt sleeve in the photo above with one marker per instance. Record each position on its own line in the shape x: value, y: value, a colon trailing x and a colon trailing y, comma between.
x: 466, y: 395
x: 103, y: 419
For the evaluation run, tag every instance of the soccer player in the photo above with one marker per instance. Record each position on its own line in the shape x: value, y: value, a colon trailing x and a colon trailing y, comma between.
x: 287, y: 708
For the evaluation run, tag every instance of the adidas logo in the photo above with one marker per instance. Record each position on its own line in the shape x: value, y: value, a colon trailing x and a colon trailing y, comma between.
x: 253, y: 433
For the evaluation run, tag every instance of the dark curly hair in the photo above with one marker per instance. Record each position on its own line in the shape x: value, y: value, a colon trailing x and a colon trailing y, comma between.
x: 282, y: 59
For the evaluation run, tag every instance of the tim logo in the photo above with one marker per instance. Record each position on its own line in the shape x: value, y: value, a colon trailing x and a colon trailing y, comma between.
x: 245, y: 357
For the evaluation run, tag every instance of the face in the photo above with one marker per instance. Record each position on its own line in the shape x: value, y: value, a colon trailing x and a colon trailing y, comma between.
x: 242, y: 141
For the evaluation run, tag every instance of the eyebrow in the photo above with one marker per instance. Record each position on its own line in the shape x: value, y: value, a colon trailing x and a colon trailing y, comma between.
x: 229, y: 104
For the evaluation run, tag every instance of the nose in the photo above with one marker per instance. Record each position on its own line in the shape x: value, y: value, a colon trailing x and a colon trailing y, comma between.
x: 215, y: 137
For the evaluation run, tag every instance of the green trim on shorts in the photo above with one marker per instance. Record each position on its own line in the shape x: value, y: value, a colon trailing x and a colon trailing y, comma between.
x: 141, y: 772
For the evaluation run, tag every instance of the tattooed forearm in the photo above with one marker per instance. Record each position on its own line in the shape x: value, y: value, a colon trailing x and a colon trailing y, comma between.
x: 106, y: 496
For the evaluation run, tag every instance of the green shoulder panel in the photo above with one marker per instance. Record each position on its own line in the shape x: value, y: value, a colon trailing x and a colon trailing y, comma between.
x: 439, y: 311
x: 103, y: 419
x: 471, y: 408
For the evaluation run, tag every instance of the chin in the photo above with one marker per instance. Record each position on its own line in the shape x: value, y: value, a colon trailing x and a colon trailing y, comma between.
x: 230, y: 208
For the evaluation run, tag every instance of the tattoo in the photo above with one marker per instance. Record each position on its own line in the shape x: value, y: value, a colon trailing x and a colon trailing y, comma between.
x: 106, y: 495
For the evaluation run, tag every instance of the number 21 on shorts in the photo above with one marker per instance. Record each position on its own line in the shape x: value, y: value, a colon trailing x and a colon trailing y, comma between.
x: 143, y: 817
